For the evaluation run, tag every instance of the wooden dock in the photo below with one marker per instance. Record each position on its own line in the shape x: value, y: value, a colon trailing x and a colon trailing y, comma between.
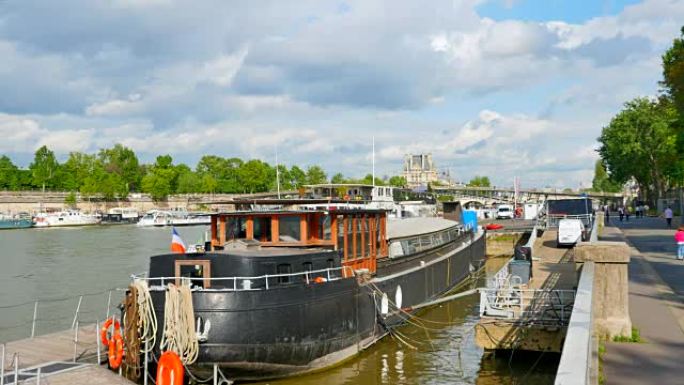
x: 66, y: 357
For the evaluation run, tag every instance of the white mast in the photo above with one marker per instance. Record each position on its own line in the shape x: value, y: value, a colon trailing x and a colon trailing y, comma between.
x: 277, y: 171
x: 373, y: 161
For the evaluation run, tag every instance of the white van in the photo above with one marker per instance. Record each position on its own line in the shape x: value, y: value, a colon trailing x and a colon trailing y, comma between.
x: 569, y: 231
x: 504, y: 212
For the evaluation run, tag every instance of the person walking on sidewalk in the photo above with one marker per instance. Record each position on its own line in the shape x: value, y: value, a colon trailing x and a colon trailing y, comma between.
x: 621, y: 212
x: 668, y: 216
x: 679, y: 238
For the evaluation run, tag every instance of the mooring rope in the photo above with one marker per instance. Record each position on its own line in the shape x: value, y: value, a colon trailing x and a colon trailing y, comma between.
x: 179, y: 324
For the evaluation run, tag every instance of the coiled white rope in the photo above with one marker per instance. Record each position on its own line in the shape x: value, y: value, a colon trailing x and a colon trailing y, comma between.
x: 179, y: 324
x: 147, y: 319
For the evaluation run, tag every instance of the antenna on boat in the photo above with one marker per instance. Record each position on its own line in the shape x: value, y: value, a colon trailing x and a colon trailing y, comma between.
x: 373, y: 175
x: 277, y: 171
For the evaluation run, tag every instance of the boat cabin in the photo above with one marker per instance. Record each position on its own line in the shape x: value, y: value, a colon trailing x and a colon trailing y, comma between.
x: 359, y: 234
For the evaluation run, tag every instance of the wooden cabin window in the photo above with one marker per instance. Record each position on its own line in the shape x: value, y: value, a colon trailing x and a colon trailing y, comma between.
x: 198, y: 270
x: 236, y: 228
x: 324, y: 229
x: 262, y: 229
x: 289, y: 229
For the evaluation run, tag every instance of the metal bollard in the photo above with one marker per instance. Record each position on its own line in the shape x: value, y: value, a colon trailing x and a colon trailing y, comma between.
x: 215, y: 374
x: 78, y: 309
x: 33, y: 323
x: 38, y: 376
x: 97, y: 338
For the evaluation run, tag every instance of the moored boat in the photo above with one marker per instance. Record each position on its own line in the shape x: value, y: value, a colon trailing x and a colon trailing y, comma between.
x: 8, y: 222
x: 287, y: 292
x: 121, y: 215
x: 159, y: 218
x: 65, y: 218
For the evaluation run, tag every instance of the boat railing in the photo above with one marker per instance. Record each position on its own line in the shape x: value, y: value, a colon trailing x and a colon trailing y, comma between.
x: 262, y: 282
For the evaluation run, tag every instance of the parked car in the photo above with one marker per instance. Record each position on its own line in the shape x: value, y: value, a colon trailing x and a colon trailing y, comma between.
x: 570, y: 231
x: 504, y: 212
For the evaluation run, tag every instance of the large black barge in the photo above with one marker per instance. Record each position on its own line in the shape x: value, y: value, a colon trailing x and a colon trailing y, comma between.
x: 287, y: 292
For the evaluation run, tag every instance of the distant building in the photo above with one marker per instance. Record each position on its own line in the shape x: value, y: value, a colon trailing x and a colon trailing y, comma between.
x: 419, y: 170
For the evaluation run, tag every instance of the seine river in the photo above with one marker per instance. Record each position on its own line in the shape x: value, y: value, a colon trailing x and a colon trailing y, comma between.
x: 56, y: 266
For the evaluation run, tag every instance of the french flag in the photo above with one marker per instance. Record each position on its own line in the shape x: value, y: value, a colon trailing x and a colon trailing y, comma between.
x: 177, y: 244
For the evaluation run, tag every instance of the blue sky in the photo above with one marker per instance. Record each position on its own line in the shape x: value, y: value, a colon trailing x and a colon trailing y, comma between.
x: 498, y: 88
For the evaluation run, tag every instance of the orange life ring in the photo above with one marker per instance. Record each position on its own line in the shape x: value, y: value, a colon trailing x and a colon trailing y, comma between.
x: 105, y: 329
x: 169, y: 362
x: 319, y: 280
x: 116, y: 351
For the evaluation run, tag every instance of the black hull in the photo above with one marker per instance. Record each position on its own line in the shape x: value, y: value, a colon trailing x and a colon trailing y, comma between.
x: 285, y: 331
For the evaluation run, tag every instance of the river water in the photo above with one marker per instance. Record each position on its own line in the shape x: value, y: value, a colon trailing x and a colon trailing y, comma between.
x: 56, y: 266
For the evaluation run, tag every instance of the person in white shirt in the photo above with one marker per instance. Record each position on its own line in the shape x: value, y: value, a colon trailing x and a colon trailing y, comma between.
x: 668, y: 216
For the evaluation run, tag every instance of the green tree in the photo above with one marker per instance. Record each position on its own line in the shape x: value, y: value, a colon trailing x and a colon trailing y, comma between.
x: 315, y: 175
x: 70, y: 200
x: 160, y: 179
x: 602, y: 181
x: 255, y: 176
x: 398, y: 181
x: 9, y: 174
x: 297, y: 177
x: 209, y: 184
x: 368, y: 179
x: 76, y: 169
x: 285, y: 179
x: 44, y: 167
x: 337, y: 178
x: 188, y: 182
x: 480, y: 181
x: 640, y: 143
x: 673, y: 72
x: 123, y: 162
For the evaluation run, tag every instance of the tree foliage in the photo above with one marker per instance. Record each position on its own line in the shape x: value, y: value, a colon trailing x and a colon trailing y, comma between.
x: 602, y: 181
x: 397, y: 181
x: 673, y: 72
x: 44, y: 167
x: 641, y: 143
x: 480, y: 181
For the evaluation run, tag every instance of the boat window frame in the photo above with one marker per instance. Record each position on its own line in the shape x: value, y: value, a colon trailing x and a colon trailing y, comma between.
x: 206, y: 270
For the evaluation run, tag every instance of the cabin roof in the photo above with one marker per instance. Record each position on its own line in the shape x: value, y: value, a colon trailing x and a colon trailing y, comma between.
x: 338, y: 210
x: 409, y: 227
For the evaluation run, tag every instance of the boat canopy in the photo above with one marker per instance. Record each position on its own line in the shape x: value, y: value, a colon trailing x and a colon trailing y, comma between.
x: 411, y: 227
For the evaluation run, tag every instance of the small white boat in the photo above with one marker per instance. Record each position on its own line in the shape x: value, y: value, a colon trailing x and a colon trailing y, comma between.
x: 173, y: 218
x: 121, y: 215
x: 65, y: 218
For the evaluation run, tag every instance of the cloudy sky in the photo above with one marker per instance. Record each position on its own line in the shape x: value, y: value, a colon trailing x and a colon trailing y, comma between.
x: 498, y: 88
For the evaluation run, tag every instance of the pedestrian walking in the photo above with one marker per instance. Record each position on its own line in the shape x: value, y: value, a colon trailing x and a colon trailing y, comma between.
x: 668, y: 216
x: 679, y: 238
x: 607, y: 216
x: 621, y: 213
x: 628, y: 212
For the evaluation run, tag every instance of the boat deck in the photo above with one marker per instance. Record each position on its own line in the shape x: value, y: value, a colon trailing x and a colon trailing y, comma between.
x: 66, y: 357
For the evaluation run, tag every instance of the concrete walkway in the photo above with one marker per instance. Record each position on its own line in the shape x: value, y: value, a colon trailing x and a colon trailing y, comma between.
x: 656, y: 301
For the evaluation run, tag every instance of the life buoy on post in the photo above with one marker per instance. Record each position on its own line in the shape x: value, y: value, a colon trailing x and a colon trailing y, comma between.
x: 170, y: 367
x: 116, y: 351
x: 105, y: 329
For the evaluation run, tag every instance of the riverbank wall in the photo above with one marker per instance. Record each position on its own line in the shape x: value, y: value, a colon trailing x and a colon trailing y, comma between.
x: 13, y: 202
